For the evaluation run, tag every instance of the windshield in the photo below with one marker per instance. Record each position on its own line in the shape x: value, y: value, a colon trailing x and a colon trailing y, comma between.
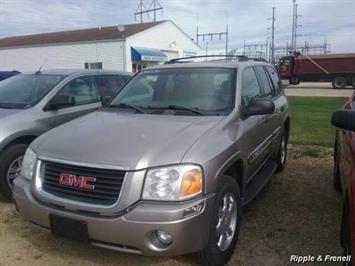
x: 23, y: 91
x: 188, y: 91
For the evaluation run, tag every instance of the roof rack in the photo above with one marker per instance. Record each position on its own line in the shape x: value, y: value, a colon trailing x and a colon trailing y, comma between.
x: 189, y: 59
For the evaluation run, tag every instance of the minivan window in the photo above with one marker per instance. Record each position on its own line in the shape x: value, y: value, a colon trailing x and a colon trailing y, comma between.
x: 82, y: 89
x: 203, y: 89
x: 110, y: 85
x: 24, y: 90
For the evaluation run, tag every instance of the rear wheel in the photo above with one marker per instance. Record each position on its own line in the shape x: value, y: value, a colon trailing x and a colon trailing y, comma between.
x: 10, y: 168
x: 225, y: 225
x: 282, y: 155
x: 339, y: 83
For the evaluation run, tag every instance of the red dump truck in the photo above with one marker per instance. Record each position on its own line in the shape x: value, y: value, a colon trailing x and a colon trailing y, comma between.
x: 336, y: 68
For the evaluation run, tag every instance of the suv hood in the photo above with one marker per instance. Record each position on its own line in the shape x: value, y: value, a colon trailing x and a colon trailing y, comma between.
x: 130, y: 141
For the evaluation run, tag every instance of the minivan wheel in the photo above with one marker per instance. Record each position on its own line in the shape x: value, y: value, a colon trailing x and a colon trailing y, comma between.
x: 339, y: 83
x: 282, y: 155
x: 10, y: 168
x: 225, y: 224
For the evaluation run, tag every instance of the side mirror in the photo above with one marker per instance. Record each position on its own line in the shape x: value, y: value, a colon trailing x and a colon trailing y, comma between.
x: 105, y: 100
x: 60, y: 101
x: 344, y: 119
x: 259, y: 107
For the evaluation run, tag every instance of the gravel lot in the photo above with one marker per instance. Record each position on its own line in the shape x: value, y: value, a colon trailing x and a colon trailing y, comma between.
x: 298, y: 213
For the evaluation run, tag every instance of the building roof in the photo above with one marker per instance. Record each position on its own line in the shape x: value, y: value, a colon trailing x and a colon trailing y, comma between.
x: 83, y: 35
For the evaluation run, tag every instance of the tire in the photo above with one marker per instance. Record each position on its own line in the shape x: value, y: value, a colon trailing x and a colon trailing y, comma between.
x: 345, y: 234
x: 282, y: 154
x: 294, y: 80
x: 339, y: 83
x: 353, y: 82
x: 7, y: 159
x: 215, y: 254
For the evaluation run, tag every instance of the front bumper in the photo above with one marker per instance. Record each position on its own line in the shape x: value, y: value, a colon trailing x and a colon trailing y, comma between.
x: 132, y: 231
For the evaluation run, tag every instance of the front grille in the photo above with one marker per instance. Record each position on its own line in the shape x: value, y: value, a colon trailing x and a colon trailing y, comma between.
x: 108, y: 183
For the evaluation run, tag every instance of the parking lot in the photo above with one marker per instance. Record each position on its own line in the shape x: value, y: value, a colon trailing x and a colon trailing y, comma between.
x: 298, y: 213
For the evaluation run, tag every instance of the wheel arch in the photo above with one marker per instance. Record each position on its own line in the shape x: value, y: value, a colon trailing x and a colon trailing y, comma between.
x: 236, y: 171
x: 18, y: 139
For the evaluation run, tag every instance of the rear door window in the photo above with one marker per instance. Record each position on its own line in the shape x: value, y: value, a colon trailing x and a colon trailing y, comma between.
x: 276, y: 82
x: 265, y: 83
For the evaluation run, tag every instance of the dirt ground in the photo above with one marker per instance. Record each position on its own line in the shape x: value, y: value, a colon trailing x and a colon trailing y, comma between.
x: 298, y: 213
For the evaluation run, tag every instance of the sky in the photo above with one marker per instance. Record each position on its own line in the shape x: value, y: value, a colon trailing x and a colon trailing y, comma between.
x: 333, y: 20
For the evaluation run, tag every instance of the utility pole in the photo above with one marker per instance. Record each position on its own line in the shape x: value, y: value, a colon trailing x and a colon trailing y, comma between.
x: 227, y: 39
x: 273, y: 37
x: 293, y: 43
x: 211, y: 35
x: 142, y: 9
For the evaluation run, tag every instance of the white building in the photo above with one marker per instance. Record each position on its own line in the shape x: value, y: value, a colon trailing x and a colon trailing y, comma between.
x: 123, y: 47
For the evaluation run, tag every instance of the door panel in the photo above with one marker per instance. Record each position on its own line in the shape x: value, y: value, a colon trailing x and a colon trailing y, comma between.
x: 84, y: 91
x: 256, y: 132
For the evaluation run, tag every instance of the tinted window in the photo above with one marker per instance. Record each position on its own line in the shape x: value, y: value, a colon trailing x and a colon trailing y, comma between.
x: 23, y: 91
x: 205, y: 89
x: 250, y: 86
x: 265, y: 83
x: 275, y: 79
x: 82, y: 89
x: 110, y: 85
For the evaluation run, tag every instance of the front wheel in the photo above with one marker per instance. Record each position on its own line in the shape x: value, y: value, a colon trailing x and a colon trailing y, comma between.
x: 10, y: 168
x: 225, y: 225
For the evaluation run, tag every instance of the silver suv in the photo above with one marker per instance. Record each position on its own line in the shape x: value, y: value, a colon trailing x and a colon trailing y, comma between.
x: 168, y: 166
x: 31, y: 104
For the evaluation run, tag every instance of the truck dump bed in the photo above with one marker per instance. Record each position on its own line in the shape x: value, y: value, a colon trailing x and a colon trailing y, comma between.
x: 325, y: 64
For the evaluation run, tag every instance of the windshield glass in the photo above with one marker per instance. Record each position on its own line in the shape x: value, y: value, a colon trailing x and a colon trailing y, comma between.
x: 23, y: 91
x: 209, y: 90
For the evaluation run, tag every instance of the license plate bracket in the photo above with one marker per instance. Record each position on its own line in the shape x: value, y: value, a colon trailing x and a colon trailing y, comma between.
x: 69, y: 228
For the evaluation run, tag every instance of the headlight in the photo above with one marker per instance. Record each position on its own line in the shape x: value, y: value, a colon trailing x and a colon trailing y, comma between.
x: 28, y: 164
x: 173, y: 183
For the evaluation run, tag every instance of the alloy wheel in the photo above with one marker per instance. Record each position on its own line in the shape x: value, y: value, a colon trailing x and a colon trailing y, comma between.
x: 227, y: 221
x: 14, y: 170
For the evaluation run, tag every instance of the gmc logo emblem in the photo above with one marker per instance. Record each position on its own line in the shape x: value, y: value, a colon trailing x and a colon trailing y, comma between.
x: 70, y: 180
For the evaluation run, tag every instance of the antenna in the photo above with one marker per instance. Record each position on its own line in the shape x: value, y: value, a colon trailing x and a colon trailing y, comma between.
x: 40, y: 68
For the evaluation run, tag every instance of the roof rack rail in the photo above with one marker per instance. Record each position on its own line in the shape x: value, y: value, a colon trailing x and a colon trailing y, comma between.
x: 223, y: 57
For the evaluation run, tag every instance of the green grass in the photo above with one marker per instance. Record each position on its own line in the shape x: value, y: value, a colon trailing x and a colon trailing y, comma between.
x: 310, y: 120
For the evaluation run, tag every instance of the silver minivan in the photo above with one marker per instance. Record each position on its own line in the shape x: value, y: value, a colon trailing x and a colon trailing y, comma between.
x: 31, y: 104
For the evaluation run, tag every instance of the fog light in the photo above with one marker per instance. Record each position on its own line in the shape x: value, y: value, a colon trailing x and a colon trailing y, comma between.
x: 193, y: 210
x: 164, y: 237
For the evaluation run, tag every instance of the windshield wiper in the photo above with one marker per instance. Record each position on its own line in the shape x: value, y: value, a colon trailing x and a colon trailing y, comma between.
x: 128, y: 105
x: 182, y: 108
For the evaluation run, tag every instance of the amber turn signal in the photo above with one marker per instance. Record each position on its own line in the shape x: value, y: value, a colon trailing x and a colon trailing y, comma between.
x: 191, y: 184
